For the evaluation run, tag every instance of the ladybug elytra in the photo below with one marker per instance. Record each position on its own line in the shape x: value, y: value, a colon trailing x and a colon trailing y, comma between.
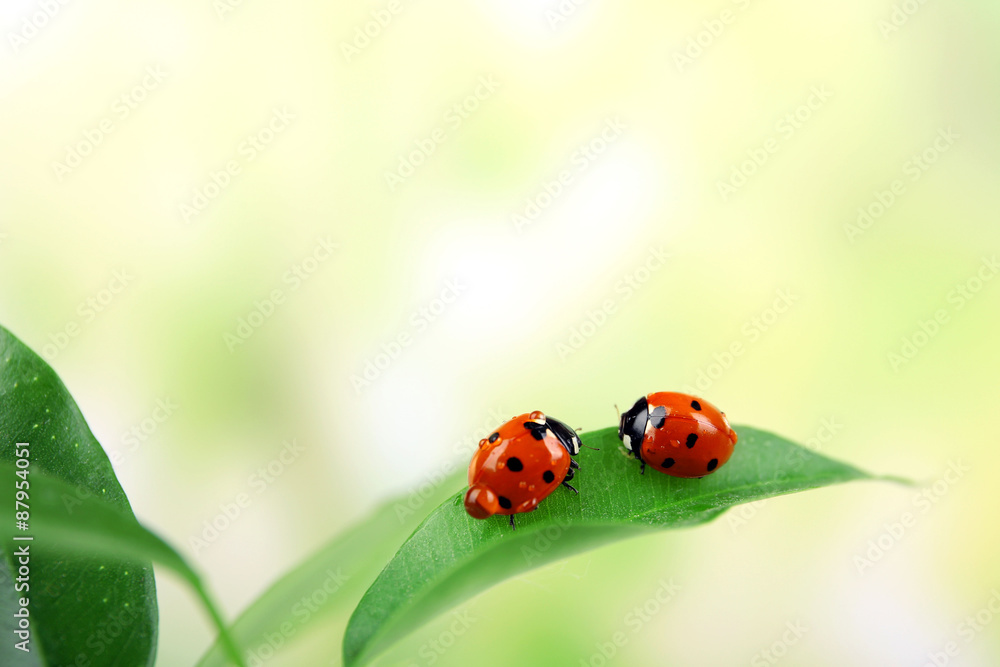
x: 677, y: 434
x: 519, y: 465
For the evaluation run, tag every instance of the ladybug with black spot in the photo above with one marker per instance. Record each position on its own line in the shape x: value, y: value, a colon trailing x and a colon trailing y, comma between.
x: 677, y: 434
x: 519, y: 465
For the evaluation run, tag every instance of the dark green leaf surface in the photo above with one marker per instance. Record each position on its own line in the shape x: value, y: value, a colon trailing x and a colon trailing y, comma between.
x: 452, y: 557
x: 76, y: 603
x: 68, y: 520
x: 91, y: 596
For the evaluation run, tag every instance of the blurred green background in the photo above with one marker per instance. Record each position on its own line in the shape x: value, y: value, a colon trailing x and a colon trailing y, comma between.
x: 377, y: 229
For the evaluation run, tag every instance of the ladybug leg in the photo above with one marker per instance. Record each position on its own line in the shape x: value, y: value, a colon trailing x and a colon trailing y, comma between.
x: 569, y: 475
x: 642, y: 463
x: 573, y: 465
x: 513, y: 526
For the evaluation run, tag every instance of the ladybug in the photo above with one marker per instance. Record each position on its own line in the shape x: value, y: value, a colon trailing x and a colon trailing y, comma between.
x: 519, y: 465
x: 677, y: 434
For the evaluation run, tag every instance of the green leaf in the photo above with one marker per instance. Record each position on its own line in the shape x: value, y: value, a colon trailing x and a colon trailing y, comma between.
x: 452, y: 557
x: 72, y: 602
x: 331, y: 580
x: 91, y: 596
x: 66, y: 519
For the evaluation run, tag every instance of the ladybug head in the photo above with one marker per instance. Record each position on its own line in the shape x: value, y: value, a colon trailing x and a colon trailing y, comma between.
x: 632, y: 427
x: 481, y: 502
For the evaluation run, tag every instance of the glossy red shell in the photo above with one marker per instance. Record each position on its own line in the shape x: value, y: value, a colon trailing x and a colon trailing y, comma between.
x: 494, y: 481
x: 690, y: 442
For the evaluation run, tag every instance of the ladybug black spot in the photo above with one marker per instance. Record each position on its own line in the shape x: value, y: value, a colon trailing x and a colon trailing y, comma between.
x: 696, y: 405
x: 691, y: 439
x: 504, y: 502
x: 712, y: 464
x: 494, y: 437
x: 514, y: 464
x: 667, y: 463
x: 548, y: 476
x: 658, y: 416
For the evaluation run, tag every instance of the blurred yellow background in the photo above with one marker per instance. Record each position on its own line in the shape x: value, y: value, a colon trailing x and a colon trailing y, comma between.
x: 309, y: 254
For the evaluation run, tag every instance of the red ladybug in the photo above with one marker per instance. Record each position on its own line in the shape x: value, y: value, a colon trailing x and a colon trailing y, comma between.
x: 519, y: 465
x: 677, y: 434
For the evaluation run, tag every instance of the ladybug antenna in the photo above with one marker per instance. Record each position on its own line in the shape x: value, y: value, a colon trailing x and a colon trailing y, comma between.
x: 619, y: 412
x: 596, y: 449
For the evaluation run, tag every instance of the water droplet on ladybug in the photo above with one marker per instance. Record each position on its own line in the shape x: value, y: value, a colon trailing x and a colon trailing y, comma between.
x: 537, y: 415
x: 482, y: 443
